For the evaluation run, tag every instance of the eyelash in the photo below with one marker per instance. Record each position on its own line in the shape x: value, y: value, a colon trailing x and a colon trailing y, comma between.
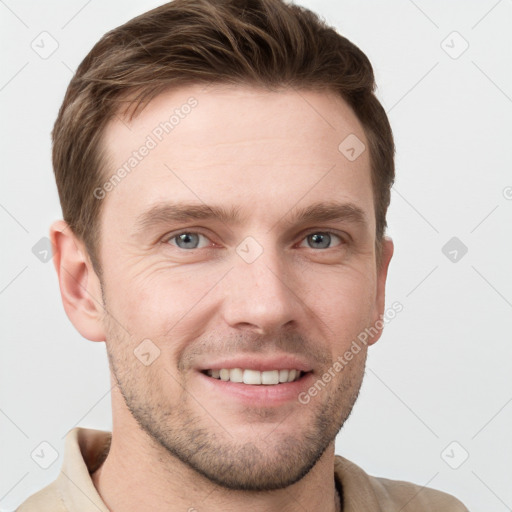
x: 168, y: 238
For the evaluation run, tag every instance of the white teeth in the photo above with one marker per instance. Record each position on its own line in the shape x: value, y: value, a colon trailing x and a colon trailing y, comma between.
x: 270, y: 377
x: 255, y: 377
x: 236, y: 375
x: 252, y: 377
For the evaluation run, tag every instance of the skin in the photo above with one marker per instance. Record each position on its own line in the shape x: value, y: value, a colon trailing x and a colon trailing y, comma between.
x: 180, y: 440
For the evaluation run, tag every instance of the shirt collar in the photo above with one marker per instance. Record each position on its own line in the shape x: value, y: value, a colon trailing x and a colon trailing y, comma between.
x: 83, y: 449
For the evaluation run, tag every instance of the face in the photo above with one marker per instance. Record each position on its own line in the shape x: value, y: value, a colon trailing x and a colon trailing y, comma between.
x: 238, y: 258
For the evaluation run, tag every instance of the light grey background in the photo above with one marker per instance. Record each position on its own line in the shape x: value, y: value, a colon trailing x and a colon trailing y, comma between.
x: 441, y: 372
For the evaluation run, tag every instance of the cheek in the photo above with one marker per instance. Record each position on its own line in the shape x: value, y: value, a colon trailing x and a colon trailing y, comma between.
x: 344, y: 303
x: 345, y: 296
x: 160, y: 302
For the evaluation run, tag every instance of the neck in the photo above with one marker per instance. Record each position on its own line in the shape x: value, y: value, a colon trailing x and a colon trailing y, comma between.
x: 138, y: 474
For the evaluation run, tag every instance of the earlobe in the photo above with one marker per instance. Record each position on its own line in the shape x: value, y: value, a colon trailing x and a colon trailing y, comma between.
x: 380, y: 298
x: 79, y: 285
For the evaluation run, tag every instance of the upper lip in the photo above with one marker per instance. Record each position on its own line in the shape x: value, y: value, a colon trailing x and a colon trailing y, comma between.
x: 258, y: 362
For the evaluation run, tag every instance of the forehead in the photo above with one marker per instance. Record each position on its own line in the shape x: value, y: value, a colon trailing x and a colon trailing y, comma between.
x: 261, y: 151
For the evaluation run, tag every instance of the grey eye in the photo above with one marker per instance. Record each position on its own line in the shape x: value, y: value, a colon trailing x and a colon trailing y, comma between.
x: 187, y: 240
x: 321, y: 240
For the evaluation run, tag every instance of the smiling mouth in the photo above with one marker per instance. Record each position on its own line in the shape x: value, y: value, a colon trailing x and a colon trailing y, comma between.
x: 255, y: 377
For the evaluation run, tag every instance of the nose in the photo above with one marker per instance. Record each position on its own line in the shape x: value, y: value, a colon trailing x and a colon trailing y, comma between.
x: 263, y: 295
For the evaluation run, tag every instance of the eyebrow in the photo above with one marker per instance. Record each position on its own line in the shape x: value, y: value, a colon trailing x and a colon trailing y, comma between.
x: 328, y: 211
x: 165, y: 213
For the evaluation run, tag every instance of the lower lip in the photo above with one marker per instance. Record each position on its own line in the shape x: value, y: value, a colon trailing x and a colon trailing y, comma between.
x: 259, y: 395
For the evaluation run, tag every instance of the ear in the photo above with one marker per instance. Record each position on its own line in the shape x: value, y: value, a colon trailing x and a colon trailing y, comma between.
x: 80, y: 287
x: 380, y: 298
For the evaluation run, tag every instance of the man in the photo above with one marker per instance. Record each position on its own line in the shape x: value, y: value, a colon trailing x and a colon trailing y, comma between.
x: 224, y: 170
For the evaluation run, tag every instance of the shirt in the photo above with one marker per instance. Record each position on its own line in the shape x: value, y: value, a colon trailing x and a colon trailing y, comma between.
x: 85, y: 449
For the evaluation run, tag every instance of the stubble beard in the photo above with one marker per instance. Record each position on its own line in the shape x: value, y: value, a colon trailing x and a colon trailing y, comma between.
x: 187, y: 432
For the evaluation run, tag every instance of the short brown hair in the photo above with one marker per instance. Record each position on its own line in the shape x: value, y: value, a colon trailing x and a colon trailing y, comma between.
x: 266, y: 43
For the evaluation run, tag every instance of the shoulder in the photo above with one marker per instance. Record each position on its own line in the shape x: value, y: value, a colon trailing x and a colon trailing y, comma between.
x: 414, y: 498
x: 73, y: 488
x: 48, y: 499
x: 390, y: 495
